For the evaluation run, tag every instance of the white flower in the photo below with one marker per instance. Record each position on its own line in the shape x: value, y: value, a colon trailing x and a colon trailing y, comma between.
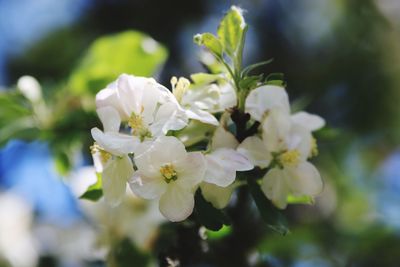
x: 149, y: 108
x: 111, y: 140
x: 17, y: 246
x: 201, y: 101
x: 224, y: 161
x: 30, y: 88
x: 168, y: 173
x: 263, y: 99
x: 222, y: 164
x: 285, y: 145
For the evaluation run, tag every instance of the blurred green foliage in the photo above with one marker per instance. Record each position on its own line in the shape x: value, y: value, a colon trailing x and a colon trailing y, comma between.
x: 128, y: 52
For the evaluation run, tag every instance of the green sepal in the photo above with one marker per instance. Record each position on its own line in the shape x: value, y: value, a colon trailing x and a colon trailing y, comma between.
x: 95, y: 191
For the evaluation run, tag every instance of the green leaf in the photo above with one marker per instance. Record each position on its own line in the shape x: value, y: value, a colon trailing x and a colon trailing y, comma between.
x: 212, y: 218
x: 300, y: 200
x: 221, y: 233
x: 210, y: 42
x: 275, y: 79
x: 270, y: 214
x: 250, y: 82
x: 250, y: 68
x: 204, y: 78
x: 126, y: 254
x: 129, y: 52
x: 231, y: 31
x: 95, y: 191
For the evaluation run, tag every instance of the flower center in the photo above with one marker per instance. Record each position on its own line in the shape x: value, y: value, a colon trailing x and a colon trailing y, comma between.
x: 290, y: 158
x: 104, y: 155
x: 138, y: 127
x: 169, y: 173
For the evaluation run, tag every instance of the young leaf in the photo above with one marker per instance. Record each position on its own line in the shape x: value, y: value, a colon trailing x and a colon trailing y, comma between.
x: 95, y: 191
x: 204, y: 78
x: 211, y: 42
x: 270, y: 214
x: 251, y: 67
x: 212, y: 218
x: 231, y: 30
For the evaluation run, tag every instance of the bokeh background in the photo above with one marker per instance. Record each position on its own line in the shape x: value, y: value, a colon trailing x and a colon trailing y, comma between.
x: 341, y: 60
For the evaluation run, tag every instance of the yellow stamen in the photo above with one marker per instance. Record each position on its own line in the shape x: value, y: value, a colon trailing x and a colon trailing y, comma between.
x: 314, y: 147
x: 169, y: 173
x: 104, y: 155
x: 179, y: 87
x: 135, y: 122
x: 291, y: 157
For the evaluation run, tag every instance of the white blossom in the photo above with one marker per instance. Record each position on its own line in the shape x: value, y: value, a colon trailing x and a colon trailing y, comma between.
x: 149, y: 108
x: 165, y: 171
x: 201, y: 101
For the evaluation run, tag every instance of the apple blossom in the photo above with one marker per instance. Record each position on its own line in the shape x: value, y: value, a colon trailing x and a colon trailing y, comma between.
x: 165, y: 171
x: 149, y: 108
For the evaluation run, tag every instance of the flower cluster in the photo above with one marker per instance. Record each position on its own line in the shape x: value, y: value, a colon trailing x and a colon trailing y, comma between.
x: 167, y: 144
x: 140, y: 144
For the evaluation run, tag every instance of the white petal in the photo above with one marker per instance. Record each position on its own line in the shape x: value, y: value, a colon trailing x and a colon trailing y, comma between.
x: 227, y: 98
x: 300, y: 139
x: 305, y: 180
x: 201, y: 115
x: 97, y: 162
x: 108, y: 97
x: 110, y: 118
x: 222, y: 165
x: 266, y: 98
x: 151, y: 155
x: 275, y: 188
x: 276, y: 127
x: 223, y: 139
x: 191, y: 170
x: 147, y: 187
x: 176, y: 204
x: 130, y: 93
x: 115, y: 143
x: 170, y: 116
x: 218, y: 196
x: 115, y: 175
x: 255, y: 150
x: 309, y: 121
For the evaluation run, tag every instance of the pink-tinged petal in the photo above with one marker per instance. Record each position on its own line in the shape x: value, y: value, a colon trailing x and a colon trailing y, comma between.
x: 147, y: 187
x: 115, y: 176
x: 255, y: 150
x: 177, y: 203
x: 309, y: 121
x: 275, y: 188
x: 110, y: 118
